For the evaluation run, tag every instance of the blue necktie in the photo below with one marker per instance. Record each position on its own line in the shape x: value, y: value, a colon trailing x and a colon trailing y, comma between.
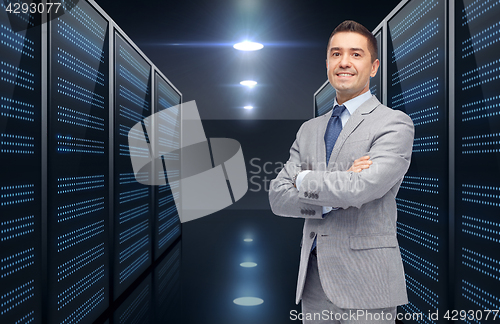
x: 332, y: 133
x: 333, y: 130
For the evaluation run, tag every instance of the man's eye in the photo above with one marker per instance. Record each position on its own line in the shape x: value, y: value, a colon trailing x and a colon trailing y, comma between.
x: 356, y: 54
x: 336, y: 54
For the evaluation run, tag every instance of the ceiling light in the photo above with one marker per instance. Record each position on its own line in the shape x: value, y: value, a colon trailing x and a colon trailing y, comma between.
x: 248, y: 264
x: 248, y: 46
x: 248, y: 107
x: 249, y: 83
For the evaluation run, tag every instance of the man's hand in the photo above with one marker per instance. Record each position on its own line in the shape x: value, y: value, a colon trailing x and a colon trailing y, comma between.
x: 361, y: 164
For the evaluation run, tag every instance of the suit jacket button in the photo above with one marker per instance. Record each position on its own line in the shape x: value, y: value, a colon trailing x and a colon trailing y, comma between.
x: 302, y: 211
x: 312, y: 235
x: 305, y: 194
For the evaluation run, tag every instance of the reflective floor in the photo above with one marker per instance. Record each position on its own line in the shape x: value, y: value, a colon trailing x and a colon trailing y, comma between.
x: 240, y: 267
x: 230, y: 267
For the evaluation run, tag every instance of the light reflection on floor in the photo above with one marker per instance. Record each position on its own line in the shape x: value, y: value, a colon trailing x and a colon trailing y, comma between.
x: 248, y: 301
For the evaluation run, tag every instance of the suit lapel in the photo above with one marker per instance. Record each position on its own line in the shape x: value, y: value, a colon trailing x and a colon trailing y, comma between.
x: 352, y: 123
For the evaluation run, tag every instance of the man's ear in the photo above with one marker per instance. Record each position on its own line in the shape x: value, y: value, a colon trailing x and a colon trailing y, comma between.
x: 375, y: 66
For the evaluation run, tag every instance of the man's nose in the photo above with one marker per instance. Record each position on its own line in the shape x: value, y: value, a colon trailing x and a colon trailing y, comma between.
x: 345, y: 62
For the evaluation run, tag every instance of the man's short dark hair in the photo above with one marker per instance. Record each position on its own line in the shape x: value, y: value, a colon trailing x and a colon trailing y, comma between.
x: 355, y: 27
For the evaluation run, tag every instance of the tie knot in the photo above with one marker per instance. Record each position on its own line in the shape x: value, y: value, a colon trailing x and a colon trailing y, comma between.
x: 338, y: 110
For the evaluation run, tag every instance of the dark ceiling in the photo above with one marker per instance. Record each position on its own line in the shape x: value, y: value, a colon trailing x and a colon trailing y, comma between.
x: 191, y: 43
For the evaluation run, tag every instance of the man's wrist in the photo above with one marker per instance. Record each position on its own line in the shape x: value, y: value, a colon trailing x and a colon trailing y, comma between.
x: 294, y: 179
x: 300, y: 176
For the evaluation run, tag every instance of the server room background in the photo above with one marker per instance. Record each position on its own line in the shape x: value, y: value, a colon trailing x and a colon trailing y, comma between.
x: 83, y: 242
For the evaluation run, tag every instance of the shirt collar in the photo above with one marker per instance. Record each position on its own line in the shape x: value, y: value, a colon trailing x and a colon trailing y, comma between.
x: 353, y: 104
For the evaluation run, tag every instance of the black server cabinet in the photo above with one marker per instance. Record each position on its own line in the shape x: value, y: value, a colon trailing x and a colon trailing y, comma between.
x: 78, y: 165
x: 133, y: 200
x: 477, y: 159
x: 376, y: 81
x: 323, y: 99
x: 167, y: 138
x: 20, y: 156
x: 416, y: 84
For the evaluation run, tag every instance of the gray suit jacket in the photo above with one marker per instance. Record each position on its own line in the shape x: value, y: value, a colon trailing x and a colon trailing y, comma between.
x: 358, y: 254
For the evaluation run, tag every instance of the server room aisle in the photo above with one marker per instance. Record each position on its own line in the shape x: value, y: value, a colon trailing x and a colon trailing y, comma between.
x: 234, y: 266
x: 244, y: 257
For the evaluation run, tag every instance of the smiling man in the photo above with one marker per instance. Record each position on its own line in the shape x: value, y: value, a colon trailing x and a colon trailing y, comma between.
x: 343, y: 174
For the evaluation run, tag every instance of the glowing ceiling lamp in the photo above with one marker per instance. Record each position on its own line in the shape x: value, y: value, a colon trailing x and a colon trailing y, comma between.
x: 248, y: 46
x: 248, y: 107
x: 248, y: 264
x: 249, y: 83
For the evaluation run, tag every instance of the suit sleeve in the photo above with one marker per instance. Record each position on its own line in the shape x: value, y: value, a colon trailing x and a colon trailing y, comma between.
x: 283, y: 196
x: 390, y: 152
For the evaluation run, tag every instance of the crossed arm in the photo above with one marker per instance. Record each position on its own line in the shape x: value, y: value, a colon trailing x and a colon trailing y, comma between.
x: 358, y: 165
x: 369, y: 178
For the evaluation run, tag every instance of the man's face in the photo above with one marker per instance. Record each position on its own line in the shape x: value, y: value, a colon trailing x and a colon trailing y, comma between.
x: 349, y: 65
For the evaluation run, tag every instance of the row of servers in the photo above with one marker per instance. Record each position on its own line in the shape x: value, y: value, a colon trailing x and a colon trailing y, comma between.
x: 440, y: 65
x: 77, y: 228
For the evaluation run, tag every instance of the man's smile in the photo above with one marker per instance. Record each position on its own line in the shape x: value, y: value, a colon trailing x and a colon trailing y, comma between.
x: 344, y: 75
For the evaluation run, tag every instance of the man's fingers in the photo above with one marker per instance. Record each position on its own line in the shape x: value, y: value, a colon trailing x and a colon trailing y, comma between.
x: 364, y: 164
x: 366, y: 157
x: 363, y: 159
x: 361, y: 164
x: 368, y: 162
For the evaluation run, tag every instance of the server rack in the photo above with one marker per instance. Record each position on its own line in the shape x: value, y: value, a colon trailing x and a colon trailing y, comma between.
x: 133, y: 201
x: 167, y: 124
x: 61, y: 216
x: 477, y: 165
x: 21, y: 261
x: 376, y: 81
x: 78, y: 173
x: 416, y: 84
x: 323, y: 99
